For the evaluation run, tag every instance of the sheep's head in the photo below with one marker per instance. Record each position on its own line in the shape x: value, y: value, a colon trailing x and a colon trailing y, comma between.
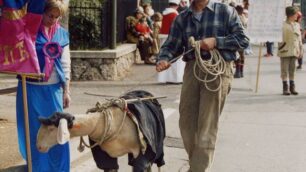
x: 54, y: 130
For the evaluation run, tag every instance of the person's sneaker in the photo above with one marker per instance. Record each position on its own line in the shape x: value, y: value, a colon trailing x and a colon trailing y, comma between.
x: 299, y: 67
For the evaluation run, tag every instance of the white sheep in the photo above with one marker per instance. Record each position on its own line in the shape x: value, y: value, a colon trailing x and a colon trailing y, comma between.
x: 109, y: 126
x: 126, y: 140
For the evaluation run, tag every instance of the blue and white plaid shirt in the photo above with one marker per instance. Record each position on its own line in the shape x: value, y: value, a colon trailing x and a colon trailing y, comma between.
x: 218, y: 20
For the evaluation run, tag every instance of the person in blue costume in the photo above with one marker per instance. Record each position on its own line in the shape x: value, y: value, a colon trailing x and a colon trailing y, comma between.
x: 50, y: 94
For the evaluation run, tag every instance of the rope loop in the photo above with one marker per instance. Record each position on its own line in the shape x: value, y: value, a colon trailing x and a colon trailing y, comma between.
x: 212, y: 68
x: 108, y: 118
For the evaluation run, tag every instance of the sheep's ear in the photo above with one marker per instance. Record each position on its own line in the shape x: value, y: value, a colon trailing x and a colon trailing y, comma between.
x: 44, y: 121
x: 63, y: 134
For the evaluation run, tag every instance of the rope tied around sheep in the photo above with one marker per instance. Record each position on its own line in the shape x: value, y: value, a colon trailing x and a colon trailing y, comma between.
x: 108, y: 117
x: 213, y: 67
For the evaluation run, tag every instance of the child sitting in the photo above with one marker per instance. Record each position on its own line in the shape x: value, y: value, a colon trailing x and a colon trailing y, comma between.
x: 144, y: 30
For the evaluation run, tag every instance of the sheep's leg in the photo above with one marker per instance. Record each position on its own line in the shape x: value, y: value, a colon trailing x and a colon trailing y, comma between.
x: 149, y: 169
x: 102, y: 159
x: 141, y: 164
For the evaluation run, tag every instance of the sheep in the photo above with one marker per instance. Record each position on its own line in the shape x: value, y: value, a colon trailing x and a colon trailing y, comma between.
x: 109, y: 127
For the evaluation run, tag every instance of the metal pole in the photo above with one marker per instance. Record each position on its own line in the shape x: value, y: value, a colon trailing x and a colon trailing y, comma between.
x: 258, y: 68
x: 26, y: 122
x: 114, y: 24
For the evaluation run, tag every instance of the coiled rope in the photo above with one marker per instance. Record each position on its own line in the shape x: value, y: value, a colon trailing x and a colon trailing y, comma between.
x: 212, y: 68
x: 108, y: 118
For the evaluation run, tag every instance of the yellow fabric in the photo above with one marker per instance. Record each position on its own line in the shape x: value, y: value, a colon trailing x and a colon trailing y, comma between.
x: 15, y: 14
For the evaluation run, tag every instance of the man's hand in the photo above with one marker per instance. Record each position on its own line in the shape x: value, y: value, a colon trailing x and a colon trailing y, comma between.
x: 208, y: 43
x: 162, y: 65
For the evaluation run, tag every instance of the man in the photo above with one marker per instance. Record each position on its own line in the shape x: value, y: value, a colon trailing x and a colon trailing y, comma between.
x: 217, y: 26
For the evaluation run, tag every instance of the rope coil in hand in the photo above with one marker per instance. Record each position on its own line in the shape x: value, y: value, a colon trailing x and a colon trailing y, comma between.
x: 213, y: 67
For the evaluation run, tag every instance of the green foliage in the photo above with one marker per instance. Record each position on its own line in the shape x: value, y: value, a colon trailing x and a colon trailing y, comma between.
x: 85, y: 24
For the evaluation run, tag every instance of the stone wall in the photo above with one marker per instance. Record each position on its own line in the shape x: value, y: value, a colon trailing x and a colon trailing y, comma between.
x: 103, y: 65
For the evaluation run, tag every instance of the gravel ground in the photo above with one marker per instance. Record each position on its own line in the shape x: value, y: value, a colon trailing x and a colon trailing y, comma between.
x: 9, y: 155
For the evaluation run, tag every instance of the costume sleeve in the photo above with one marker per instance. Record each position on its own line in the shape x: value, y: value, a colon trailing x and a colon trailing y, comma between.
x: 236, y: 38
x: 66, y: 62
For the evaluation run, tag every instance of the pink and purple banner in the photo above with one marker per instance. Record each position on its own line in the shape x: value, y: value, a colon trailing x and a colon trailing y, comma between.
x: 19, y: 25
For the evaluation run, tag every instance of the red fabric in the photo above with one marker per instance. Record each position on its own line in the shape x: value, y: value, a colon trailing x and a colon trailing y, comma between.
x: 166, y: 23
x: 143, y: 29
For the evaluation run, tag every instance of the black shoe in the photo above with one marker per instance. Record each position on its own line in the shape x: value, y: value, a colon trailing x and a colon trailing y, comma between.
x: 299, y: 67
x: 292, y: 90
x: 286, y: 89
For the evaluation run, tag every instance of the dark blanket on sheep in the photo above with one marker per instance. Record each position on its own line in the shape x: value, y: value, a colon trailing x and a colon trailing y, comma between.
x: 151, y: 120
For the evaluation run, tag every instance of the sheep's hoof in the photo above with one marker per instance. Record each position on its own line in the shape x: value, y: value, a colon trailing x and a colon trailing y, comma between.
x: 81, y: 148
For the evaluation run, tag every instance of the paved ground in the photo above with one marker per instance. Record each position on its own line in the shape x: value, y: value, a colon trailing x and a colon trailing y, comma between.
x: 259, y: 132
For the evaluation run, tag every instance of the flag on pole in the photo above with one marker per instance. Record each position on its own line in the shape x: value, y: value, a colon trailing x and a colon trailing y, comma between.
x: 19, y: 25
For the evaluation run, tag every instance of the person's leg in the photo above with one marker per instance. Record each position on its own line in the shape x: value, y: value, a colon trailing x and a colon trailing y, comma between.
x: 292, y: 69
x: 188, y: 108
x: 141, y: 164
x: 237, y: 68
x: 300, y: 62
x: 210, y: 108
x: 147, y: 48
x: 284, y: 74
x: 102, y: 159
x: 272, y: 48
x: 269, y: 47
x: 242, y: 57
x: 140, y: 46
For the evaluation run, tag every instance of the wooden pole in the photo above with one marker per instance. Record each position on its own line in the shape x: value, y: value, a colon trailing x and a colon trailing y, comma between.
x: 258, y: 67
x: 143, y: 99
x: 8, y: 90
x: 26, y: 122
x: 24, y: 76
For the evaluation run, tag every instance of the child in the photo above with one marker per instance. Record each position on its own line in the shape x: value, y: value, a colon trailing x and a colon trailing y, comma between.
x: 144, y: 30
x: 157, y: 22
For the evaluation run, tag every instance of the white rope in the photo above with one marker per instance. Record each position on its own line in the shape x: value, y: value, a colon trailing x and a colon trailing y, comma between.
x: 108, y: 118
x: 213, y: 67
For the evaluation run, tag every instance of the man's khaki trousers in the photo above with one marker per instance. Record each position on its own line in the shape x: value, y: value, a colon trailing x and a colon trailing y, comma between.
x: 200, y: 110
